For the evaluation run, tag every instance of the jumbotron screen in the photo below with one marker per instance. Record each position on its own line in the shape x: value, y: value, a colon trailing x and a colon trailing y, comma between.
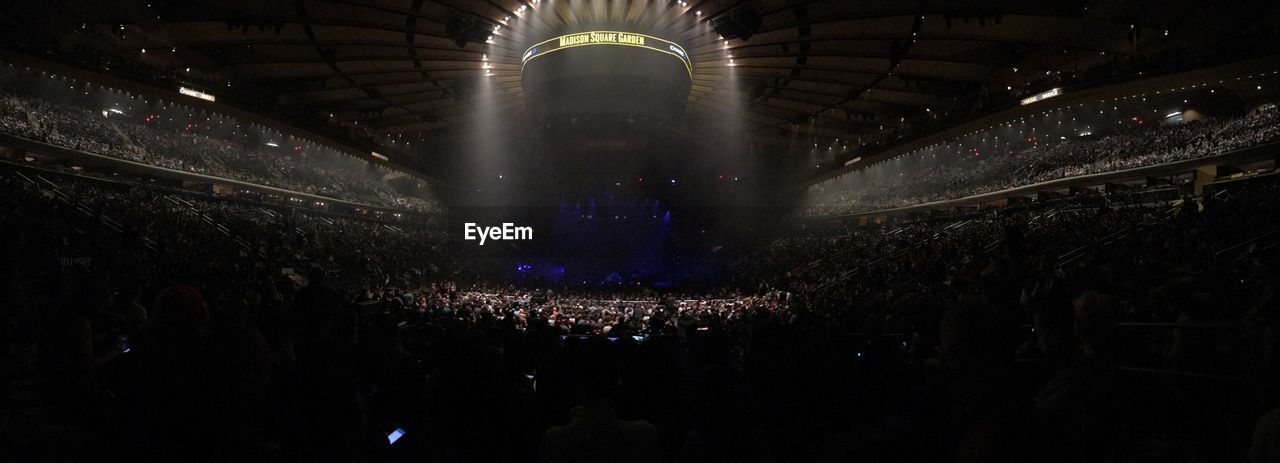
x: 607, y: 38
x: 606, y: 73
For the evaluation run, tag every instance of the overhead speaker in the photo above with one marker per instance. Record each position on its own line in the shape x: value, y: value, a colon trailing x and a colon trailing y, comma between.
x: 740, y: 22
x: 463, y: 27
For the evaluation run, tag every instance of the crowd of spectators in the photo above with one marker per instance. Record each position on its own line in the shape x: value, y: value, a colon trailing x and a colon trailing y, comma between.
x: 144, y: 325
x: 1010, y: 168
x: 136, y: 139
x: 614, y: 314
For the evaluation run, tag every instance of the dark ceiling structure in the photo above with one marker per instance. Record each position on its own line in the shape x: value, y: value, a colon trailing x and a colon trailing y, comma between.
x: 395, y: 72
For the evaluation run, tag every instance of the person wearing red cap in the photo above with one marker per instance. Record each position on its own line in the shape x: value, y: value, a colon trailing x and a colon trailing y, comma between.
x: 182, y: 307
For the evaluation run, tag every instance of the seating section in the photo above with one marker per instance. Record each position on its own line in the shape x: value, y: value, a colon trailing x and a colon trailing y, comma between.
x: 235, y: 331
x: 186, y: 148
x: 893, y: 185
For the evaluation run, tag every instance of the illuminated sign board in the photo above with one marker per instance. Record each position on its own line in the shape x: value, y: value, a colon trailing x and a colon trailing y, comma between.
x: 1041, y: 96
x: 195, y: 93
x: 612, y: 38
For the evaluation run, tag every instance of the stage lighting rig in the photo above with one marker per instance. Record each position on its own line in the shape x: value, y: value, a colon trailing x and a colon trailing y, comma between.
x: 740, y: 22
x: 463, y: 27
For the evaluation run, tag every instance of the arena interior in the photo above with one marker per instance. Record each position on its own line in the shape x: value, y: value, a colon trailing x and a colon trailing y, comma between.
x: 558, y: 231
